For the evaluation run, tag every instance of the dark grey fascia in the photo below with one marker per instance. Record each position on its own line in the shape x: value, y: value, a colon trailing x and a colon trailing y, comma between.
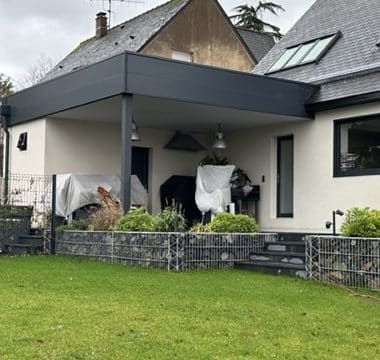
x: 138, y: 74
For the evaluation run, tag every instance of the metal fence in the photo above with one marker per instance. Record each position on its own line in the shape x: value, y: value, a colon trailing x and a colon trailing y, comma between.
x: 171, y: 251
x: 346, y: 261
x: 29, y: 190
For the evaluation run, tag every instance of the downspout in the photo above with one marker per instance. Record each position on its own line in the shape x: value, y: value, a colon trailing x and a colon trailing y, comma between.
x: 4, y: 125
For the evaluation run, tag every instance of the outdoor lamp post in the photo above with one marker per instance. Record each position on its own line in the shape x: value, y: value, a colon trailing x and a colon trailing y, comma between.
x: 333, y: 223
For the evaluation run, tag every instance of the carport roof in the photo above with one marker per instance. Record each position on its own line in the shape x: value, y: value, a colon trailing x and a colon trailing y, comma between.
x: 138, y: 74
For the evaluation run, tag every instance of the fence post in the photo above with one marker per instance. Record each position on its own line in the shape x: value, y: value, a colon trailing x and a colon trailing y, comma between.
x: 53, y: 213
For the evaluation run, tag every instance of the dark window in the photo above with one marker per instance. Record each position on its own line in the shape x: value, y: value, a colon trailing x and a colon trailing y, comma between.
x: 305, y: 53
x: 285, y: 176
x: 357, y: 146
x: 22, y: 143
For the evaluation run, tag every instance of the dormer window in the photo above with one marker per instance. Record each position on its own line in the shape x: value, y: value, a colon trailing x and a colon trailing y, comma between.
x: 305, y: 53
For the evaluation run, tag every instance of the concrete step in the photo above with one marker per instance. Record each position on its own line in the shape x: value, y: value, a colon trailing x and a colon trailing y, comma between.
x: 274, y: 268
x: 285, y: 246
x: 279, y: 257
x: 292, y: 237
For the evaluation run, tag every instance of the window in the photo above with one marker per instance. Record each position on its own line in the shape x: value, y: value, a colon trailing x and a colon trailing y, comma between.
x: 182, y: 56
x: 357, y: 146
x: 305, y: 53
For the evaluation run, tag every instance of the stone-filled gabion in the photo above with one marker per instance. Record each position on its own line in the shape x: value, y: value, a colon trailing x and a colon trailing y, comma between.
x: 171, y: 251
x: 348, y: 261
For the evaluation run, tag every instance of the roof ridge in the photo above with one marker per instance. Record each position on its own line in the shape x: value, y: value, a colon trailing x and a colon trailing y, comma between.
x: 145, y: 13
x: 253, y: 31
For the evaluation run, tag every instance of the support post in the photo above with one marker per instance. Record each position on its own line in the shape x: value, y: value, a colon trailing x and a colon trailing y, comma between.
x: 126, y: 150
x: 53, y: 213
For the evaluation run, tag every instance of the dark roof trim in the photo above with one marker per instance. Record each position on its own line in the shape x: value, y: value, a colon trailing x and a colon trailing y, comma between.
x: 144, y: 75
x: 343, y: 102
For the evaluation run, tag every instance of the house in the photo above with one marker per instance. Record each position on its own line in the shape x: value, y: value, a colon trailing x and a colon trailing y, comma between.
x: 305, y: 125
x: 196, y: 31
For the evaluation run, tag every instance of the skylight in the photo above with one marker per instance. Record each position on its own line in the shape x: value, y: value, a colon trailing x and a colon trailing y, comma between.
x: 305, y: 53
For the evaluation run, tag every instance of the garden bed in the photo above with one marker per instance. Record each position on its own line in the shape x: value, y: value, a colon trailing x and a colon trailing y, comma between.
x: 171, y: 251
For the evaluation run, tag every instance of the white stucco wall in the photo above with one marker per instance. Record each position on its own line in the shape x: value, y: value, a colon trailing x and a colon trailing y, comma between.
x: 31, y: 161
x: 317, y: 192
x: 82, y: 147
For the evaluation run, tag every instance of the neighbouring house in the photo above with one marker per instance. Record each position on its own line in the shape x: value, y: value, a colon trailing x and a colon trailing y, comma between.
x: 195, y: 31
x: 305, y: 126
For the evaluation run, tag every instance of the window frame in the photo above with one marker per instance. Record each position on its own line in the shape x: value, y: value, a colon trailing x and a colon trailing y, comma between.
x: 334, y: 38
x: 337, y: 172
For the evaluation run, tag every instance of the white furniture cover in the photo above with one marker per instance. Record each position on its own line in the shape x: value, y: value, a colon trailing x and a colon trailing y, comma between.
x: 213, y: 191
x: 76, y: 191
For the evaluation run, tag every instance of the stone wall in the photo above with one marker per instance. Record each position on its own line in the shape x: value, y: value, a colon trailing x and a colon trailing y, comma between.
x: 171, y: 251
x: 341, y: 260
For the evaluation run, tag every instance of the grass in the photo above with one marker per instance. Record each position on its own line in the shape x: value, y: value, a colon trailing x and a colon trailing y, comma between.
x: 59, y: 308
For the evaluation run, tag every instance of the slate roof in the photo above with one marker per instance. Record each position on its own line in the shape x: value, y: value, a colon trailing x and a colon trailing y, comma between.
x: 352, y: 66
x: 258, y: 43
x: 131, y: 35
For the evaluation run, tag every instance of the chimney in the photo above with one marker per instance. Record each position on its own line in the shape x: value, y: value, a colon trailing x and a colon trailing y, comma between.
x: 101, y: 25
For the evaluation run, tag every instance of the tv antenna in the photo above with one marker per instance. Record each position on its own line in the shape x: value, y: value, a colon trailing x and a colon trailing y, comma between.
x: 109, y: 9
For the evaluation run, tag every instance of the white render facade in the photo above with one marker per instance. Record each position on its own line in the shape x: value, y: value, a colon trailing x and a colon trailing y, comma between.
x: 59, y: 146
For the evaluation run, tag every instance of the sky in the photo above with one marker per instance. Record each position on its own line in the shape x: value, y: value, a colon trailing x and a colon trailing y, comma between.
x: 29, y: 28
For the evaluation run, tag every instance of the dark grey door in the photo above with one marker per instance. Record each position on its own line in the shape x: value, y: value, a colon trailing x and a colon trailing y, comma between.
x: 285, y: 176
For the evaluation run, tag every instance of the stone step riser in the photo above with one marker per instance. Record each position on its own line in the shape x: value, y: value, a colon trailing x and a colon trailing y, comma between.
x: 296, y: 260
x: 291, y: 248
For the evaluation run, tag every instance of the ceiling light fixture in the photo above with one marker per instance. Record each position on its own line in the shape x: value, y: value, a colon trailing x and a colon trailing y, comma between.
x: 219, y: 142
x: 135, y: 134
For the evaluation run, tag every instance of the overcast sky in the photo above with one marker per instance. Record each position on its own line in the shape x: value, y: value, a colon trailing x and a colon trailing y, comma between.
x: 29, y: 28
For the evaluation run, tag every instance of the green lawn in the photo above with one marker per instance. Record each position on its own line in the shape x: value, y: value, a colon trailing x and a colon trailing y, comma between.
x: 59, y: 308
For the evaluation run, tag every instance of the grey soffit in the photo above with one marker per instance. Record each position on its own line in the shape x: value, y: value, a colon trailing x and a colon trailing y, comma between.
x: 258, y: 43
x: 357, y: 20
x: 131, y: 35
x: 139, y: 74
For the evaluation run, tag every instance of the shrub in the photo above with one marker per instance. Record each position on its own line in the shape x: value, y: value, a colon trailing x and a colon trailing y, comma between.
x: 170, y: 220
x: 361, y: 222
x: 107, y: 214
x: 229, y: 223
x: 81, y: 225
x: 136, y: 220
x: 200, y: 228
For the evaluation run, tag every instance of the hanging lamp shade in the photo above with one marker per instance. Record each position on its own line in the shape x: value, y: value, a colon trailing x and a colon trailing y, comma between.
x: 135, y: 134
x: 219, y: 142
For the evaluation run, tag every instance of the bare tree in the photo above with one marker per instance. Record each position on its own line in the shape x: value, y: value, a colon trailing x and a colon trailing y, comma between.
x: 37, y: 71
x: 6, y: 86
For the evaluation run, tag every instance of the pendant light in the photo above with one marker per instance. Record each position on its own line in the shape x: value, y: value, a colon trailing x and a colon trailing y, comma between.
x: 135, y: 135
x: 219, y: 142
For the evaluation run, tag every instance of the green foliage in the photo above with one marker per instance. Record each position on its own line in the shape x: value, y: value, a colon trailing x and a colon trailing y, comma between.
x: 228, y: 223
x: 170, y: 220
x: 250, y: 17
x: 361, y: 222
x: 81, y: 225
x: 214, y: 159
x: 136, y: 220
x: 200, y: 228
